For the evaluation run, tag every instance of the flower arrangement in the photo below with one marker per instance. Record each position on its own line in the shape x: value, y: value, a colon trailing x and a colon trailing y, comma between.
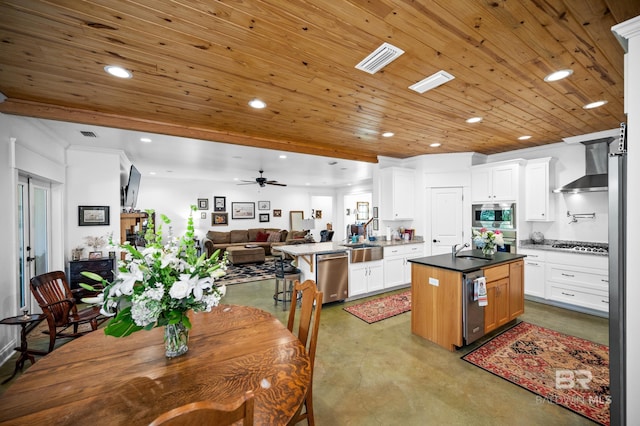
x: 158, y: 284
x: 487, y: 240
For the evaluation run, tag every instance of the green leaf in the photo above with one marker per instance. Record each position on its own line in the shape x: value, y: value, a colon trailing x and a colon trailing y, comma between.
x: 122, y: 325
x: 93, y: 276
x: 87, y: 287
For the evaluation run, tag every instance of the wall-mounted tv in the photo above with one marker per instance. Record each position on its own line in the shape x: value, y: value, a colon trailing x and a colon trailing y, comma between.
x: 130, y: 192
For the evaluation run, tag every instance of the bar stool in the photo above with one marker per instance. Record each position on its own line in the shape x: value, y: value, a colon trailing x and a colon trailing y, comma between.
x: 287, y: 275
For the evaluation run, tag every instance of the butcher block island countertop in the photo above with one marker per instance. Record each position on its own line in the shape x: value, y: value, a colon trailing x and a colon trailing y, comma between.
x: 437, y: 293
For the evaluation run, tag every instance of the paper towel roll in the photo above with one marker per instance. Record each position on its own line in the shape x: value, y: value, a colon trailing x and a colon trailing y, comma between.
x: 388, y: 233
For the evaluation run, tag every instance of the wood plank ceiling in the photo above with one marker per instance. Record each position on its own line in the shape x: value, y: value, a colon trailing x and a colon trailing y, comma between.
x: 197, y: 63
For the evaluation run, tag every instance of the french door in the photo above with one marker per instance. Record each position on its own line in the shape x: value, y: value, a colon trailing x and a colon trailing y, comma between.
x: 34, y: 201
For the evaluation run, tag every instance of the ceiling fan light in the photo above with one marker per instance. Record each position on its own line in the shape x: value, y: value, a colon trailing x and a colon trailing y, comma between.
x: 594, y: 104
x: 558, y: 75
x: 117, y: 71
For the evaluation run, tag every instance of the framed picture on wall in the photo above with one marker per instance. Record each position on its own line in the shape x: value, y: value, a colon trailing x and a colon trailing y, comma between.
x: 277, y: 213
x: 219, y: 219
x: 219, y: 204
x: 264, y: 217
x: 93, y: 215
x: 243, y: 210
x: 203, y: 204
x: 203, y: 215
x: 264, y: 205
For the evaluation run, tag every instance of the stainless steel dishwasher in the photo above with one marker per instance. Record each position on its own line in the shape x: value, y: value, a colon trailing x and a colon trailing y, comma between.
x: 332, y: 275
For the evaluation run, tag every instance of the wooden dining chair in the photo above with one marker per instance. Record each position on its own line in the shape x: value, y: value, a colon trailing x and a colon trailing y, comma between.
x: 308, y: 326
x: 209, y: 413
x: 54, y: 296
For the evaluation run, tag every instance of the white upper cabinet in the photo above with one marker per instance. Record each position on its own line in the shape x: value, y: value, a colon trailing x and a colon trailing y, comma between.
x: 538, y: 199
x: 491, y: 184
x: 397, y: 193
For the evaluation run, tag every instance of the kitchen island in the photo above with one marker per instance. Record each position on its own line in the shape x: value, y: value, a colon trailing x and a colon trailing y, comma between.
x: 437, y: 294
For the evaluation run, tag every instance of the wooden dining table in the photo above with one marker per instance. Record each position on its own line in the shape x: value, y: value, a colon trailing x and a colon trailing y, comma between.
x: 102, y: 380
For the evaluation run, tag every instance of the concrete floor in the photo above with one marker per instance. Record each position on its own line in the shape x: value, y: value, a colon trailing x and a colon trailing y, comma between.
x: 381, y: 374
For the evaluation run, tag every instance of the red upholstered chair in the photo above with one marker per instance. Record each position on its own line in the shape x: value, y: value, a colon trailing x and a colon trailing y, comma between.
x: 209, y: 413
x: 54, y: 296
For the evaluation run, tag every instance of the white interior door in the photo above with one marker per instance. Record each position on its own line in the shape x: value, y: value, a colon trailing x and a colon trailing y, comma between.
x: 446, y: 219
x: 33, y: 235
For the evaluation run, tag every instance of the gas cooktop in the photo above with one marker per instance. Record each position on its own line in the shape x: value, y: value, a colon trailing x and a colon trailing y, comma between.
x: 583, y: 247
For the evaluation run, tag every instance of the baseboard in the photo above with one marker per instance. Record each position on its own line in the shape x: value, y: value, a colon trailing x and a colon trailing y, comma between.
x: 568, y: 306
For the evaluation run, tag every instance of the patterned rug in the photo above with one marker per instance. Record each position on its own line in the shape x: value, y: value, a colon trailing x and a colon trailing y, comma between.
x: 382, y: 308
x: 560, y: 369
x: 248, y: 272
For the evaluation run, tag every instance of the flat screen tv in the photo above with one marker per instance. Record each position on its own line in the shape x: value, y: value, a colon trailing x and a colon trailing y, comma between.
x: 130, y: 192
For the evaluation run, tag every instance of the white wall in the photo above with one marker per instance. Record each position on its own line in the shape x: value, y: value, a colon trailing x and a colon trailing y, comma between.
x: 568, y: 165
x: 172, y: 197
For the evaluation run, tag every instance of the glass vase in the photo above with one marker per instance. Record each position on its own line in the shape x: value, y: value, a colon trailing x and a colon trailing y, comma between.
x: 488, y: 250
x: 176, y: 337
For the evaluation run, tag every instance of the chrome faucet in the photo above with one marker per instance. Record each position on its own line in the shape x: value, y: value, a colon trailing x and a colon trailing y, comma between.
x: 455, y: 250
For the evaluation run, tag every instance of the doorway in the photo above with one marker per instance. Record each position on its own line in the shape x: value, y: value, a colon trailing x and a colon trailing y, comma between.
x: 446, y: 219
x: 34, y: 213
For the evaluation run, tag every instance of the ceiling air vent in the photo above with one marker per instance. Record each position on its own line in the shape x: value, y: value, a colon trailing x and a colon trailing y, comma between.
x: 381, y: 57
x: 432, y: 81
x: 88, y: 134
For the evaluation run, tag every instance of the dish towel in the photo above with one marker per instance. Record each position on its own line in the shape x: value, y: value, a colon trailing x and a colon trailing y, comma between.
x: 482, y: 291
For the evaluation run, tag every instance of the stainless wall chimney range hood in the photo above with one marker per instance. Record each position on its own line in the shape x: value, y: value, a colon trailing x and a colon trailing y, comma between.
x: 596, y: 164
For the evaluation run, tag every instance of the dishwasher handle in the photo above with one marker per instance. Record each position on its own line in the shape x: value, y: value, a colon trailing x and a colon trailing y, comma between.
x: 330, y: 256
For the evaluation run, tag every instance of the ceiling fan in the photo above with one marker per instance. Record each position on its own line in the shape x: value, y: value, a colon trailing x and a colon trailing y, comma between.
x: 262, y: 181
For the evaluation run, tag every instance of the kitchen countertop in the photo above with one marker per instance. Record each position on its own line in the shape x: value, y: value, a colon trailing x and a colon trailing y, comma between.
x: 319, y: 248
x: 447, y: 261
x: 547, y: 245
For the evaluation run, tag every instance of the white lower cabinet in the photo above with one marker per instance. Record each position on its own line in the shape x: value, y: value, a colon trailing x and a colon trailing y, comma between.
x: 365, y: 277
x: 577, y: 279
x: 534, y: 272
x: 397, y: 268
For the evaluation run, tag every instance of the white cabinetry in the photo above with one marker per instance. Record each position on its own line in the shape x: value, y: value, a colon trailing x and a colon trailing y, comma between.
x: 397, y: 193
x: 534, y: 272
x: 397, y: 269
x: 538, y: 200
x: 494, y: 183
x: 581, y: 280
x: 365, y: 277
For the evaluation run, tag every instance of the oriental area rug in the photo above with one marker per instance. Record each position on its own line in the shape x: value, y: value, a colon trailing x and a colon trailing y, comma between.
x: 559, y: 369
x: 382, y: 308
x: 244, y: 273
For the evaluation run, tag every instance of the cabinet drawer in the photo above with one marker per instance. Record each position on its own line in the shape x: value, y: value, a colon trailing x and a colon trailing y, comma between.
x: 93, y: 265
x: 593, y: 299
x: 496, y: 272
x: 589, y: 277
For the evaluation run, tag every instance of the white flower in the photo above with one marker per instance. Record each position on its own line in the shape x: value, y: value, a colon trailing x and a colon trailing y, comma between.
x: 200, y: 285
x: 218, y: 273
x: 222, y: 290
x: 181, y: 289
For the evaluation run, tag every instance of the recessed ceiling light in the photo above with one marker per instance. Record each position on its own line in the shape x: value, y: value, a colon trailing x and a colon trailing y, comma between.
x: 257, y: 104
x: 524, y: 137
x: 236, y: 178
x: 558, y: 75
x: 594, y: 104
x: 387, y: 134
x: 283, y: 156
x: 147, y: 140
x: 474, y: 120
x: 435, y: 144
x: 117, y: 71
x: 152, y: 173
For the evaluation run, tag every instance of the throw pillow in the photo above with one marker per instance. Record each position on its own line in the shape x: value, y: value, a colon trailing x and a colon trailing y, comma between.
x: 274, y: 237
x: 261, y: 237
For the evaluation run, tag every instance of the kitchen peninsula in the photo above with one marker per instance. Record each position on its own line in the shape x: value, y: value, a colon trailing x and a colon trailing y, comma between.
x: 445, y: 313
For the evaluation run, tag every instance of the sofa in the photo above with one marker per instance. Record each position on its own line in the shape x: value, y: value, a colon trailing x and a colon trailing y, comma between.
x: 262, y: 237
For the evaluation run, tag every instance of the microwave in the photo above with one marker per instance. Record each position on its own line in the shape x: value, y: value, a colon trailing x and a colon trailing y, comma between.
x: 497, y: 216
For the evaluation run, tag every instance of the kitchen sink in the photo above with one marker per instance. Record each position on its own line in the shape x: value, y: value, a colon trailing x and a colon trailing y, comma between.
x: 364, y: 252
x: 473, y: 258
